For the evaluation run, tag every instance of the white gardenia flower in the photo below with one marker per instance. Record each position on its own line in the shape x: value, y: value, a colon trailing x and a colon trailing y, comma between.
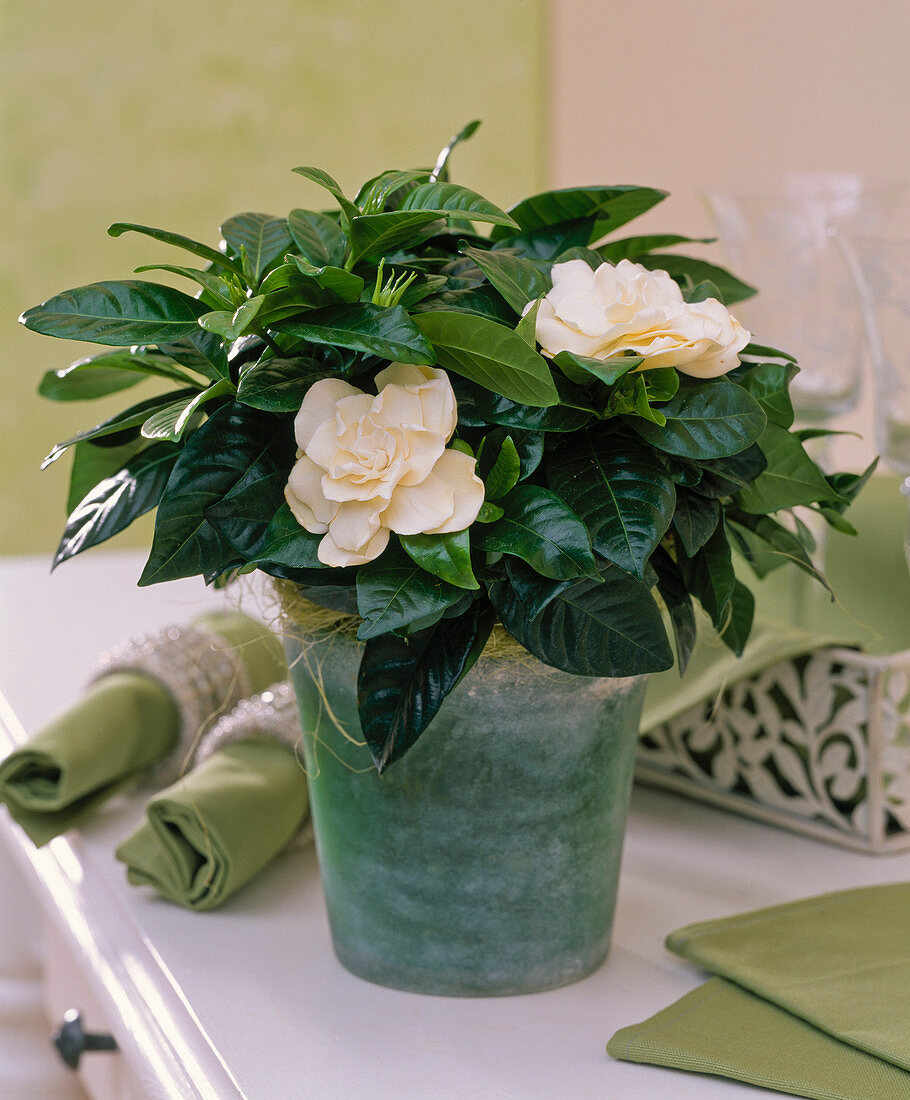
x: 368, y: 465
x: 627, y: 308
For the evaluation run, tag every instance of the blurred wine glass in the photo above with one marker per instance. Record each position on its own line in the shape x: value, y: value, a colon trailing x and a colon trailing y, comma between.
x: 784, y: 242
x: 881, y: 272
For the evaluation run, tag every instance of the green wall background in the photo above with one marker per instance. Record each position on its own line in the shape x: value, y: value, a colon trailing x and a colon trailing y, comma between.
x: 179, y: 114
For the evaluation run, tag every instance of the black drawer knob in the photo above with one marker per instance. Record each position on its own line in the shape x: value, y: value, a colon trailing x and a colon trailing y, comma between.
x: 72, y: 1041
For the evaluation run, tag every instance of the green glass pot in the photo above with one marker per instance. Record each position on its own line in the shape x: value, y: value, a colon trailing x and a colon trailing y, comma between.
x: 484, y: 861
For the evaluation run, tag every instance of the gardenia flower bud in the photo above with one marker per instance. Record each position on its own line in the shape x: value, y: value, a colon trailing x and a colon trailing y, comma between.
x: 370, y: 465
x: 627, y: 308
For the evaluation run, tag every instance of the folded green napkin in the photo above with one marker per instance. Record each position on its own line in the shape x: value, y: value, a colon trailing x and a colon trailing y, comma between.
x: 811, y: 999
x: 123, y: 724
x: 220, y: 825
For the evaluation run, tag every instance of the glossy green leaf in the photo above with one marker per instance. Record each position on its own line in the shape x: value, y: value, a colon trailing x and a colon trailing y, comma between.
x: 345, y: 285
x: 451, y: 200
x: 791, y: 477
x: 118, y: 313
x: 534, y: 591
x: 389, y: 333
x: 498, y: 466
x: 741, y: 612
x: 631, y: 248
x: 769, y: 384
x: 377, y: 234
x: 445, y: 556
x: 234, y: 448
x: 767, y: 545
x: 115, y: 502
x: 107, y: 373
x: 403, y: 682
x: 489, y: 512
x: 285, y: 543
x: 216, y: 292
x: 661, y: 383
x: 582, y: 370
x: 202, y: 352
x: 279, y: 385
x: 621, y: 490
x: 231, y: 326
x: 94, y: 461
x: 709, y: 576
x: 611, y: 206
x: 630, y: 398
x: 480, y: 301
x: 527, y: 326
x: 605, y: 627
x: 131, y: 418
x: 695, y: 520
x: 393, y: 593
x: 478, y: 407
x: 322, y: 179
x: 544, y: 245
x: 706, y: 420
x: 519, y: 281
x: 675, y: 595
x: 542, y: 530
x: 171, y: 421
x: 381, y: 191
x: 204, y: 251
x: 318, y: 237
x: 490, y: 355
x: 260, y: 238
x: 698, y: 271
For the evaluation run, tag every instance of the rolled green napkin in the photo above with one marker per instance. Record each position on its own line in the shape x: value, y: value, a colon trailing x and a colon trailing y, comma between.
x: 220, y: 825
x: 811, y: 999
x: 125, y: 723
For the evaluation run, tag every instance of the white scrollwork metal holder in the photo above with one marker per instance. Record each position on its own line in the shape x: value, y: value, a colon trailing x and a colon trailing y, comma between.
x: 819, y: 744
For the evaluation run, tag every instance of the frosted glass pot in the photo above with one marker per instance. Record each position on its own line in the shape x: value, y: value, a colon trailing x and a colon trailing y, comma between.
x: 785, y: 243
x: 486, y: 860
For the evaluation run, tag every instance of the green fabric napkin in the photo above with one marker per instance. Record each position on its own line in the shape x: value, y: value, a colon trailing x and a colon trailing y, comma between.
x: 220, y: 825
x: 811, y: 999
x: 122, y: 725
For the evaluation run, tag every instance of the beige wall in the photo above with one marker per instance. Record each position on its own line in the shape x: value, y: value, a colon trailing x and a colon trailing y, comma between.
x: 180, y: 113
x: 688, y: 95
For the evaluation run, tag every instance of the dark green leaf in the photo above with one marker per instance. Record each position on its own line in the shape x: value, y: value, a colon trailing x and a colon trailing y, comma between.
x: 581, y: 369
x: 323, y: 179
x: 769, y: 384
x: 846, y: 486
x: 630, y: 398
x: 519, y: 281
x: 605, y: 627
x: 489, y: 512
x: 684, y: 268
x: 611, y: 206
x: 344, y: 285
x: 378, y: 234
x: 109, y: 372
x: 202, y: 352
x: 675, y: 595
x: 741, y: 612
x: 661, y: 383
x: 544, y: 245
x: 231, y: 326
x: 621, y: 490
x: 722, y: 477
x: 93, y: 462
x: 631, y: 248
x: 284, y: 542
x: 236, y: 448
x: 116, y: 501
x: 766, y: 545
x: 202, y: 250
x: 394, y: 593
x: 216, y: 292
x: 483, y: 301
x: 118, y: 313
x: 695, y: 520
x: 387, y: 332
x: 445, y: 556
x: 402, y: 683
x: 706, y: 420
x: 534, y: 591
x: 542, y: 530
x: 709, y: 576
x: 279, y: 385
x: 450, y: 200
x: 133, y: 417
x: 490, y: 355
x: 791, y: 478
x: 261, y: 238
x: 478, y: 407
x: 171, y: 421
x: 319, y: 239
x: 498, y: 464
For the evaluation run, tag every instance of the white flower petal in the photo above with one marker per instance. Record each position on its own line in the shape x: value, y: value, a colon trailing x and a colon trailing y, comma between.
x: 418, y: 508
x: 306, y: 499
x: 458, y: 471
x: 319, y: 405
x: 355, y: 523
x: 330, y: 553
x: 423, y: 452
x: 407, y: 374
x: 323, y: 444
x: 399, y: 406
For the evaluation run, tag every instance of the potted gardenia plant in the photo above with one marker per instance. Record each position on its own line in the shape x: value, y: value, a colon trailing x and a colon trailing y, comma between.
x: 493, y: 457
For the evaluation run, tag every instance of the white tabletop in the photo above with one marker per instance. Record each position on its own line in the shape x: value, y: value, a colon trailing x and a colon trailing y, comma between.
x: 249, y: 1001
